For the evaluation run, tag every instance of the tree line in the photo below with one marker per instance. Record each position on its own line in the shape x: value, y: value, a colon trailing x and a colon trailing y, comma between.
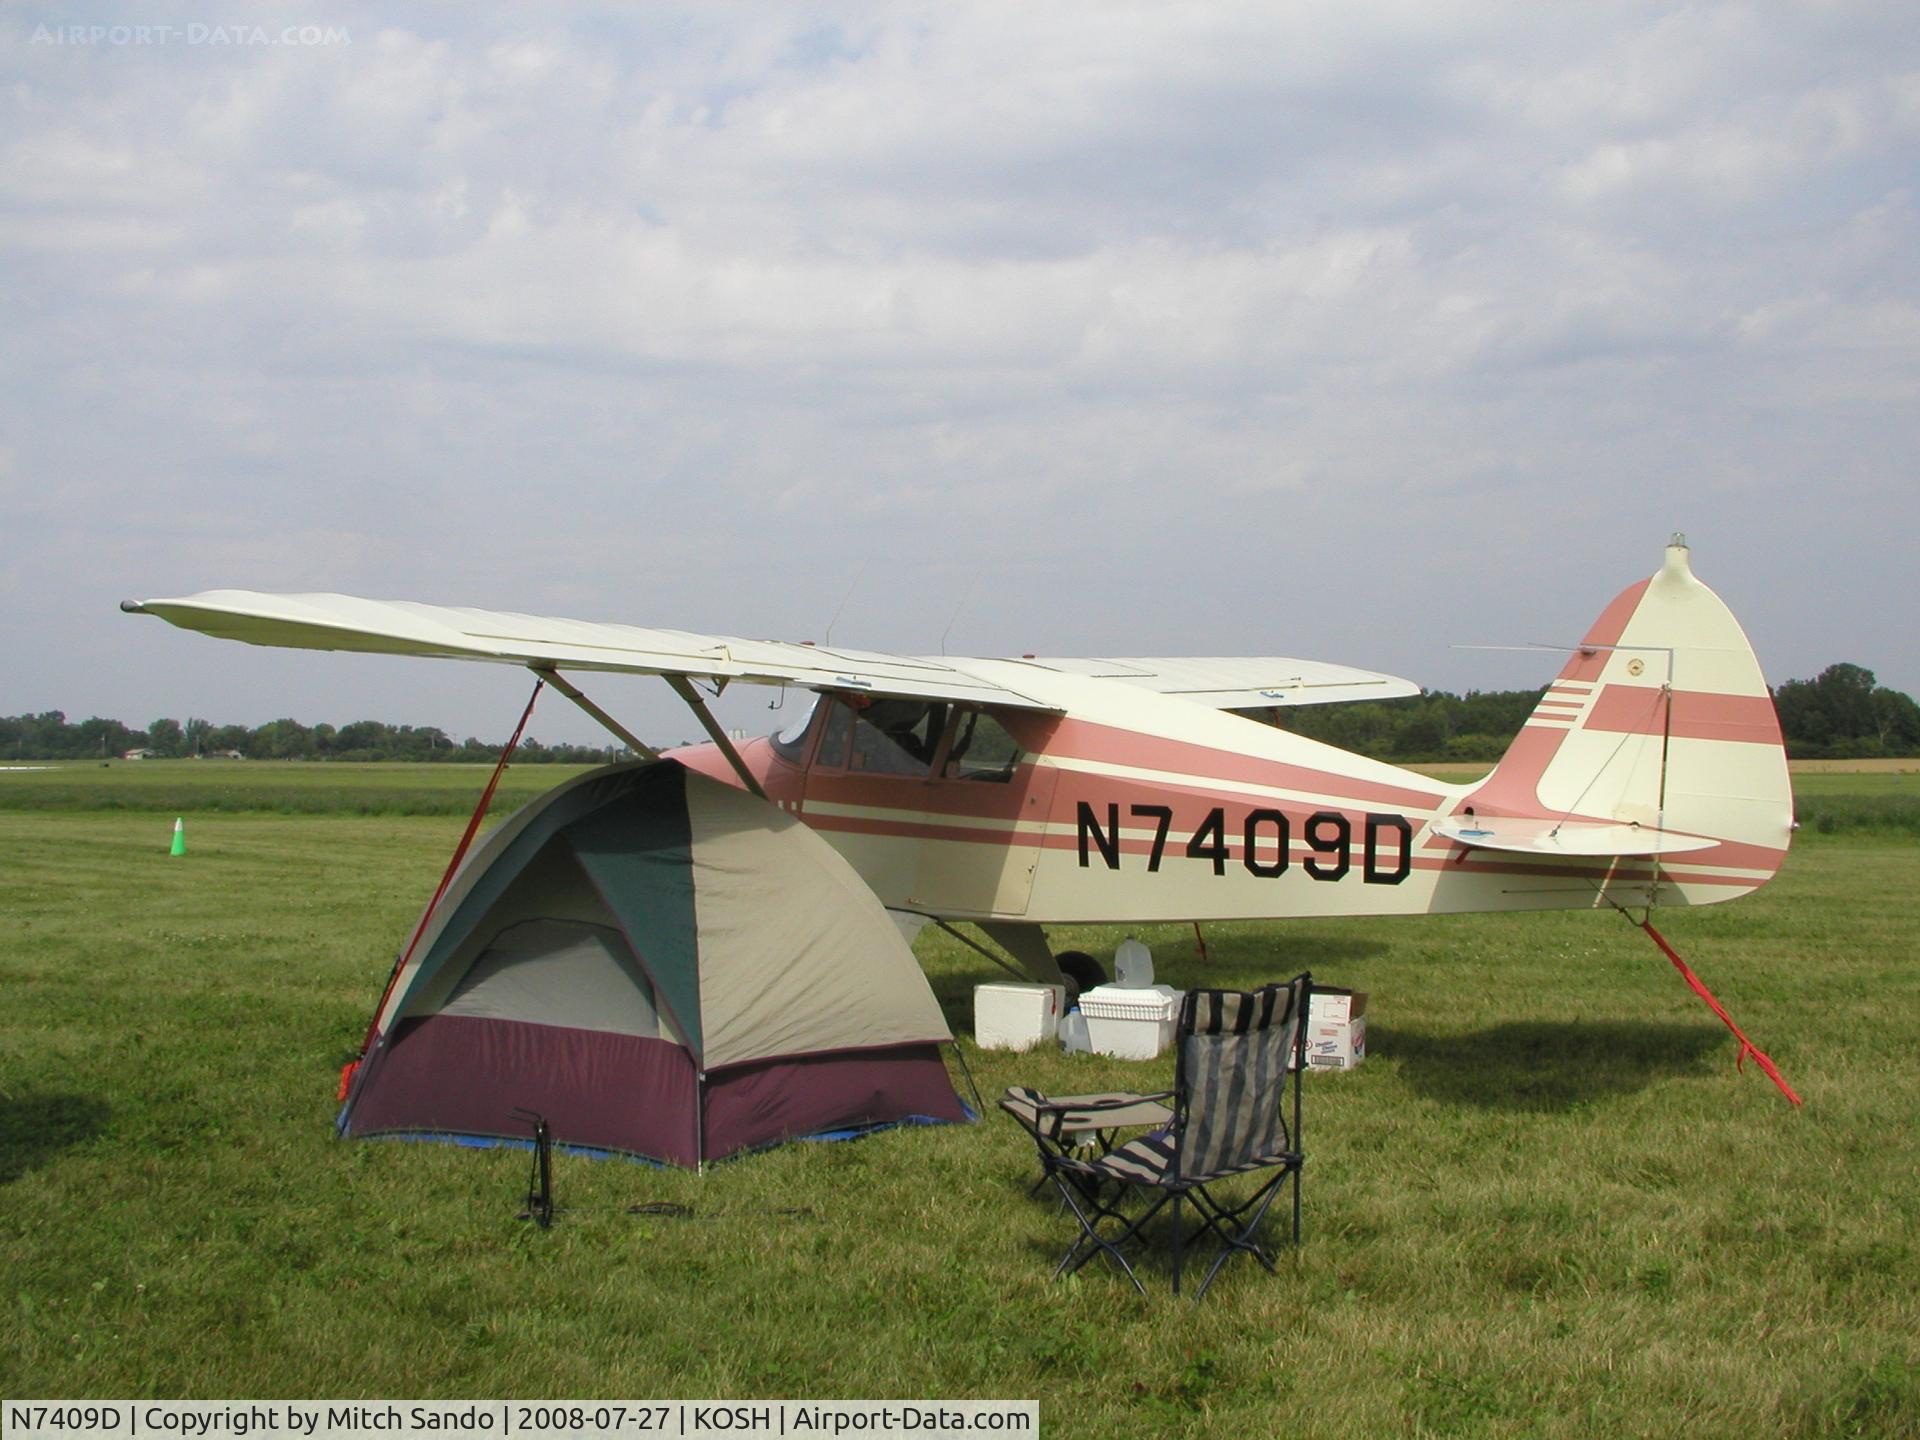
x: 50, y: 736
x: 1842, y: 713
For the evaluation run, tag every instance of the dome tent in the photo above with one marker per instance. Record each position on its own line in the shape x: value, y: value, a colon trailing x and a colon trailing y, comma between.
x: 659, y: 964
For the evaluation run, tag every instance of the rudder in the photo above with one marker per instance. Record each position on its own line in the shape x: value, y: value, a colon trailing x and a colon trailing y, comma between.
x: 1661, y: 719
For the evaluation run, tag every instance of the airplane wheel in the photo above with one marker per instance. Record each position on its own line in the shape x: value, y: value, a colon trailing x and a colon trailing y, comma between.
x: 1083, y: 972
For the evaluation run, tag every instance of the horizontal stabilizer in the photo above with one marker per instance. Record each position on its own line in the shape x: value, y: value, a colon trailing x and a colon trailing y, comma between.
x: 1566, y: 837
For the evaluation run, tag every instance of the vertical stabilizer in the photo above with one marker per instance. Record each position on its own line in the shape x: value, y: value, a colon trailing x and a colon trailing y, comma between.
x: 1661, y: 719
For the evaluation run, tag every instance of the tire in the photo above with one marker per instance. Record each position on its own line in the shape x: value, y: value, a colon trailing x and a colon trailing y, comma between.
x: 1083, y: 972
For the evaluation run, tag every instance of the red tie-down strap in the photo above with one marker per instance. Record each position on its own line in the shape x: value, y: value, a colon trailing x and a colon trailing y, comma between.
x: 453, y: 865
x: 1747, y: 1047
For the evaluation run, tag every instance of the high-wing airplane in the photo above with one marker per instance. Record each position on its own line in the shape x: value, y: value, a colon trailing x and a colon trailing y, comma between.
x: 1020, y: 793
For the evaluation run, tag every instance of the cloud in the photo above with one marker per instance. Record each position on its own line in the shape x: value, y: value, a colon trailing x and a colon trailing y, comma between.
x: 1176, y: 319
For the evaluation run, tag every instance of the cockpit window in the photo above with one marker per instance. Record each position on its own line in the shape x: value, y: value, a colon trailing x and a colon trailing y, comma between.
x: 981, y: 750
x: 897, y: 737
x: 903, y: 737
x: 791, y: 743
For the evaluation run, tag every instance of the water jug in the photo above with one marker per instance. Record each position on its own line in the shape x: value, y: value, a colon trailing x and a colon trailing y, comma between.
x: 1133, y: 965
x: 1074, y: 1039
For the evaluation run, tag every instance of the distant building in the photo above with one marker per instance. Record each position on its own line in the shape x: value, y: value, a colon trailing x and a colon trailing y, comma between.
x: 138, y: 754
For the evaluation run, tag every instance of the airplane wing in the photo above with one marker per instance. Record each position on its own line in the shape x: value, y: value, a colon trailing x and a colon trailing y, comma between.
x: 400, y: 627
x: 1241, y: 683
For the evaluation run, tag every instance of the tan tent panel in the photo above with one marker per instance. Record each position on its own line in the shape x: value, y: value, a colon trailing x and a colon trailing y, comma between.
x: 776, y: 927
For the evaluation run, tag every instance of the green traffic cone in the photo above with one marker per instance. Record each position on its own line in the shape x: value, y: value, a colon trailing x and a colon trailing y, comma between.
x: 179, y: 838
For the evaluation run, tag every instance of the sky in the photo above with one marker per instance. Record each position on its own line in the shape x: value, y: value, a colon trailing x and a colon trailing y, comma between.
x: 1354, y: 331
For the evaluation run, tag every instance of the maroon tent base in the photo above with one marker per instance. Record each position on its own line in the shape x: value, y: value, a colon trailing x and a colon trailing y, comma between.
x: 465, y: 1075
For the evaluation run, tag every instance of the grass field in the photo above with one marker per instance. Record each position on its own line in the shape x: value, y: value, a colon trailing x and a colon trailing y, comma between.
x: 1547, y: 1205
x: 280, y: 787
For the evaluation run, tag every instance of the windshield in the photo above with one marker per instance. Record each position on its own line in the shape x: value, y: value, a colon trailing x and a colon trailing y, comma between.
x: 790, y: 743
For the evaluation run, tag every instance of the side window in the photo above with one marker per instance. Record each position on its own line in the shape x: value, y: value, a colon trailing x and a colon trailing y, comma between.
x: 981, y: 750
x: 896, y: 737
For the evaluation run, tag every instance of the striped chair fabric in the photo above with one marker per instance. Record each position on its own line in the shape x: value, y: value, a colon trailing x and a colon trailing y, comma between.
x: 1235, y: 1051
x: 1233, y: 1062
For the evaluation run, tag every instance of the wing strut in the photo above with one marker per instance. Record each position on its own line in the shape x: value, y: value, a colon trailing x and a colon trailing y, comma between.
x: 607, y: 722
x: 683, y: 687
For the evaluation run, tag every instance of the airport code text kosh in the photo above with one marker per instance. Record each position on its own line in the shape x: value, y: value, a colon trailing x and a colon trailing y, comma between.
x: 320, y: 1420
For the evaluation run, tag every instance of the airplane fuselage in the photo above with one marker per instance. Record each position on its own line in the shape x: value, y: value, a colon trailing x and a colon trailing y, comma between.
x: 1172, y: 812
x: 1048, y: 791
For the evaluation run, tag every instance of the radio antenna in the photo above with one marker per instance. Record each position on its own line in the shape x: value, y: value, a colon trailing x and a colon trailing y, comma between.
x: 853, y: 585
x: 964, y: 598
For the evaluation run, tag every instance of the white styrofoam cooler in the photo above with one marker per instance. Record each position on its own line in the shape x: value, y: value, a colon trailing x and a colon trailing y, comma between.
x: 1129, y: 1024
x: 1015, y: 1017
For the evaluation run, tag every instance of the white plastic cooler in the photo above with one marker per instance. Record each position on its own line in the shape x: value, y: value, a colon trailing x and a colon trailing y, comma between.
x: 1129, y: 1023
x: 1016, y: 1017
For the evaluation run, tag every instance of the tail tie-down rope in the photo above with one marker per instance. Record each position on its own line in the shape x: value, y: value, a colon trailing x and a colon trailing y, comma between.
x: 1747, y: 1047
x: 453, y: 865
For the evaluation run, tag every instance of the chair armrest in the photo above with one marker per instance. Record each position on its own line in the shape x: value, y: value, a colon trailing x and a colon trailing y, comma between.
x: 1105, y: 1112
x: 1095, y: 1103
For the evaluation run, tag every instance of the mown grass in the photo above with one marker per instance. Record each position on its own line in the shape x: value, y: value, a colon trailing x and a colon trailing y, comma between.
x: 1840, y: 814
x: 1547, y: 1205
x: 175, y: 787
x: 1831, y: 797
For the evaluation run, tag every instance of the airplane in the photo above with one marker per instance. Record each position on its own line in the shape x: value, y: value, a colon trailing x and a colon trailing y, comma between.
x: 1023, y: 793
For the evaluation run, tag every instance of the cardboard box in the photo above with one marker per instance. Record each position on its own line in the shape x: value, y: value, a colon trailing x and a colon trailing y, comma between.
x: 1336, y: 1029
x: 1129, y: 1024
x: 1016, y: 1017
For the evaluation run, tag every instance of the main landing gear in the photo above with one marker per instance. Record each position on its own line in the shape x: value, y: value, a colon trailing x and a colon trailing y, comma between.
x: 1081, y: 971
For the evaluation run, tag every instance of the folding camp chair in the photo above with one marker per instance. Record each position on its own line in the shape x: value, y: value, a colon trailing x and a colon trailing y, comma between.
x: 1082, y: 1122
x: 1234, y: 1053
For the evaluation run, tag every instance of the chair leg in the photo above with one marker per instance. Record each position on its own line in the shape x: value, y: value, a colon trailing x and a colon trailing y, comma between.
x: 1224, y: 1223
x: 1091, y: 1242
x: 1176, y: 1242
x: 1296, y: 1206
x: 1244, y: 1240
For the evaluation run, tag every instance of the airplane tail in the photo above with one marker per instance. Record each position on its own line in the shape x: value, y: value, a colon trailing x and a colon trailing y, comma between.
x: 1657, y: 740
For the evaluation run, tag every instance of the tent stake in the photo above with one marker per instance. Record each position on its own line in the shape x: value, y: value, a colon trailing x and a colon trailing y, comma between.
x: 699, y: 1122
x: 540, y: 1183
